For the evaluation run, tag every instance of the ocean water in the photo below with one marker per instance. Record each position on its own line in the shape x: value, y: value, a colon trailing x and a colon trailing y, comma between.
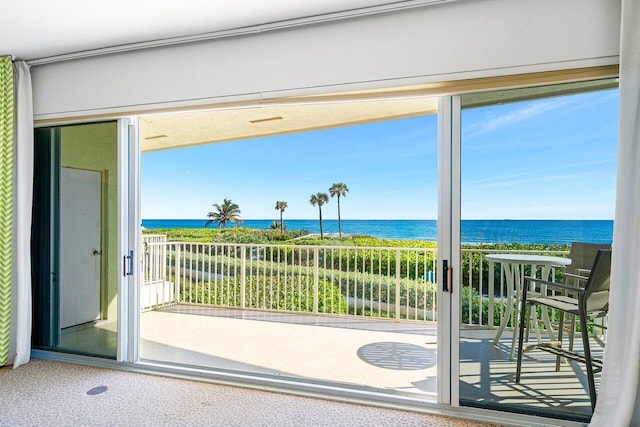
x: 472, y: 231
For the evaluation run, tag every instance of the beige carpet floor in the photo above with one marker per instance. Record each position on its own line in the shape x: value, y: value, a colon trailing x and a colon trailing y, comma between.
x: 47, y: 393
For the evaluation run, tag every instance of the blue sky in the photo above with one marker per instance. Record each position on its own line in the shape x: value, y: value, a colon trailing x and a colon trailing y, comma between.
x: 552, y: 158
x: 545, y: 159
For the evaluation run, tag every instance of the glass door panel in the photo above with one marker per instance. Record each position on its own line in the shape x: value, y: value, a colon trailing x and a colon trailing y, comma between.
x: 538, y: 171
x: 75, y: 239
x: 351, y: 304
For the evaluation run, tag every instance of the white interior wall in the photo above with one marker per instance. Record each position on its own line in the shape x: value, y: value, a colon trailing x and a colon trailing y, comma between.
x: 456, y: 40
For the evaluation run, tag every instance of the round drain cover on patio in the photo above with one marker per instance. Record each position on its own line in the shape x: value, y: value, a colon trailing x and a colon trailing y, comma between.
x: 397, y: 355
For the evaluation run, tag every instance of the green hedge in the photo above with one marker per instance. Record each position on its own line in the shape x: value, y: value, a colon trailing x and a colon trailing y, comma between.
x: 470, y: 294
x: 370, y: 281
x: 363, y: 285
x: 413, y: 265
x: 287, y: 294
x: 501, y: 247
x: 226, y: 235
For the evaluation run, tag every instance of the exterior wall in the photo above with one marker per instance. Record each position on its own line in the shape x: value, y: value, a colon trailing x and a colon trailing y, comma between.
x: 438, y: 42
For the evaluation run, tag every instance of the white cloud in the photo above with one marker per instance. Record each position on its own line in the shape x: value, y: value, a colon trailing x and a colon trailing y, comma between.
x: 532, y: 109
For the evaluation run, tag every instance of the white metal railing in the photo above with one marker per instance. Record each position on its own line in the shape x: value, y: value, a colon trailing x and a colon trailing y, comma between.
x: 483, y: 281
x: 343, y: 280
x: 153, y: 238
x: 355, y: 281
x: 156, y: 289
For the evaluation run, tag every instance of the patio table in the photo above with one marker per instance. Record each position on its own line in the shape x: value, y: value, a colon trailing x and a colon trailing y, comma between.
x: 514, y: 270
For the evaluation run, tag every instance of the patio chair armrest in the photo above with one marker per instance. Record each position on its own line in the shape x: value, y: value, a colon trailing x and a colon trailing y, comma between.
x: 555, y: 285
x: 576, y: 276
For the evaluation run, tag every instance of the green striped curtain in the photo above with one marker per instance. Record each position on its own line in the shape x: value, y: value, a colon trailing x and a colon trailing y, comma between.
x: 6, y: 202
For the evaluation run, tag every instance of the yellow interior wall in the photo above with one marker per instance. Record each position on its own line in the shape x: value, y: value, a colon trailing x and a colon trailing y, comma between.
x: 94, y: 147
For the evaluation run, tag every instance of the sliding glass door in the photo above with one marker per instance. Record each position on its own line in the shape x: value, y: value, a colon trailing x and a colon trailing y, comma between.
x: 268, y: 292
x: 537, y: 177
x: 76, y: 239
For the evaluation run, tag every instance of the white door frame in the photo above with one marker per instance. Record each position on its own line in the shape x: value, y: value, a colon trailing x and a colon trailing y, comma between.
x: 449, y: 250
x: 456, y: 254
x: 448, y: 245
x: 128, y: 226
x: 448, y: 237
x: 133, y: 227
x: 444, y: 329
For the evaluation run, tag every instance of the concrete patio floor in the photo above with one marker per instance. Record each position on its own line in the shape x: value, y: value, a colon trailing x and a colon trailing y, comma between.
x: 400, y: 357
x: 361, y: 353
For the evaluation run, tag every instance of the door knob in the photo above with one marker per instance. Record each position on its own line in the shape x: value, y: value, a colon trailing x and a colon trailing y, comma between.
x: 96, y: 252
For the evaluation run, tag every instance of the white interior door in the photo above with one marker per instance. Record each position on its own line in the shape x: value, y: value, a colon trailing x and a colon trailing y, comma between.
x: 80, y: 246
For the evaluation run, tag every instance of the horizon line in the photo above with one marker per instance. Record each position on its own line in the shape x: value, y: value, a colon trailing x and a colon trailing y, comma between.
x: 388, y: 219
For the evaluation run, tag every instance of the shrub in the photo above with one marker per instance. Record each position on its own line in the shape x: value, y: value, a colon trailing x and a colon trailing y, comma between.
x: 271, y: 293
x: 226, y: 235
x: 417, y: 294
x: 239, y: 236
x: 471, y: 296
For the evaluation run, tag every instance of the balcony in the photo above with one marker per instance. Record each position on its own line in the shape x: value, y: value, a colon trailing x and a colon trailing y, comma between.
x: 364, y: 317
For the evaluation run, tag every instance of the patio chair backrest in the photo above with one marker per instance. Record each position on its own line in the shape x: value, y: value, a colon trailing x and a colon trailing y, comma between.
x: 597, y: 287
x: 582, y: 255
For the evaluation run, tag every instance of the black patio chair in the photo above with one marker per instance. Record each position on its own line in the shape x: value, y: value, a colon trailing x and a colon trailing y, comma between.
x: 586, y: 302
x: 582, y: 256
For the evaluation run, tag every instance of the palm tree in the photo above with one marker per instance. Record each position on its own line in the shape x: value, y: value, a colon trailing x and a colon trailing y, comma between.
x: 339, y: 189
x: 227, y: 212
x: 319, y: 199
x: 281, y: 206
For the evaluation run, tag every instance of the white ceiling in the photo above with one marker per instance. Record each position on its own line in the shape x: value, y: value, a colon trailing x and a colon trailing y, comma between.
x: 34, y: 29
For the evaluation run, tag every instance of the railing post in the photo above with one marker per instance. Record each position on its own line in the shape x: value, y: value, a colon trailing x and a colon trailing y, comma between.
x: 176, y: 272
x: 481, y: 287
x: 470, y: 305
x: 491, y: 293
x: 434, y: 298
x: 243, y: 275
x: 316, y: 278
x: 398, y: 267
x: 163, y: 271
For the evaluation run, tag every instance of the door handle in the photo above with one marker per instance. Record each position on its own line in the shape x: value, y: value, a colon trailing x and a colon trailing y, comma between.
x: 447, y: 276
x: 127, y: 266
x: 96, y: 252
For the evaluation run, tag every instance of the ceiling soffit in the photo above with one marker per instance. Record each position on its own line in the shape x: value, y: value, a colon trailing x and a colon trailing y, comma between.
x: 174, y: 130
